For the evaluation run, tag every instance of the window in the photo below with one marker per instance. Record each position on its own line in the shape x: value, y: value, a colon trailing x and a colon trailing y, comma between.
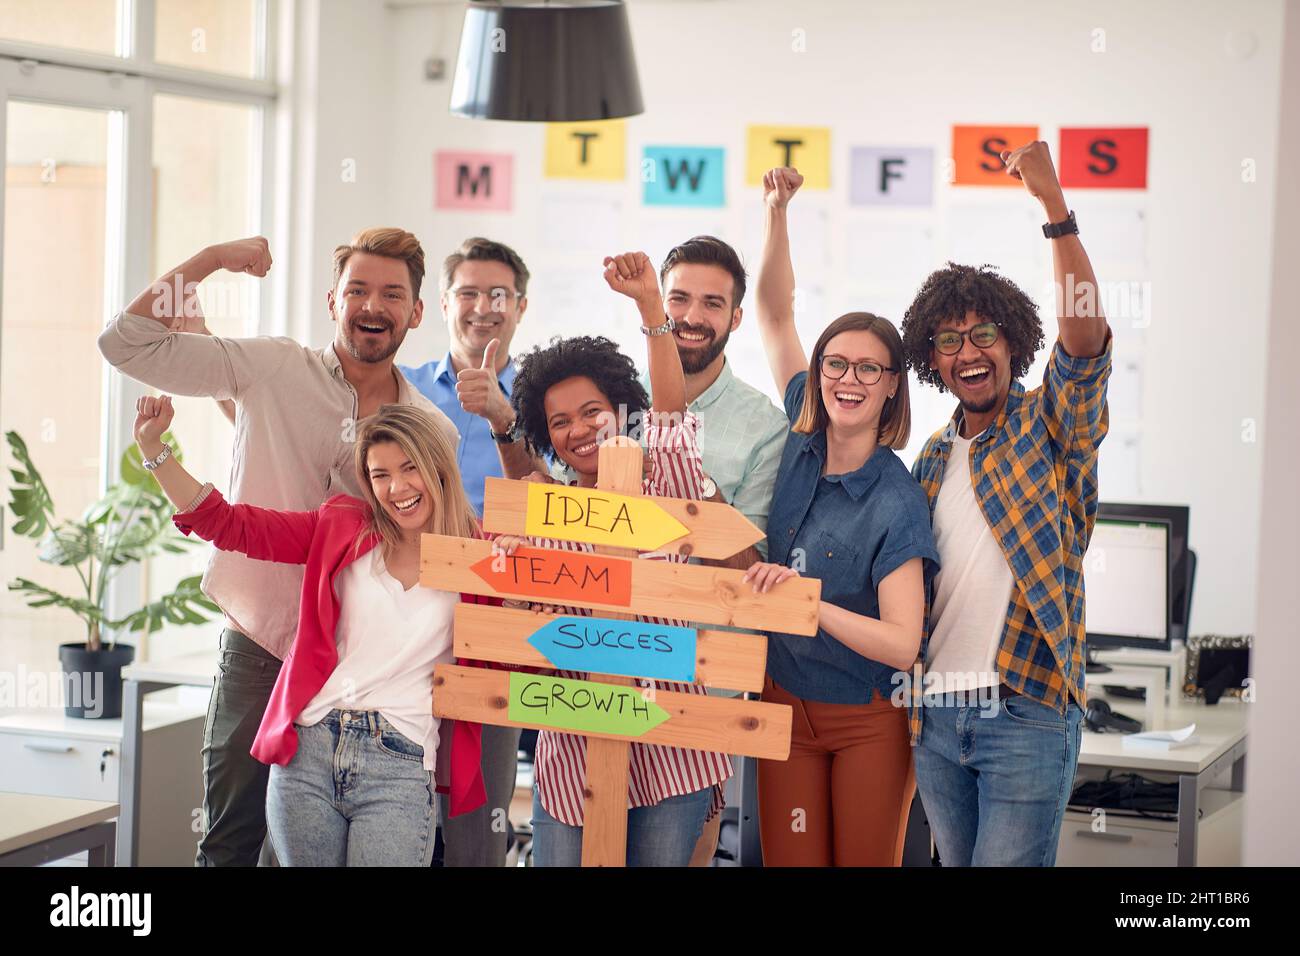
x: 91, y: 25
x: 112, y: 177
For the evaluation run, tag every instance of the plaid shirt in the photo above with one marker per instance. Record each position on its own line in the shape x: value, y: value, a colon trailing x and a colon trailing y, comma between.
x: 1035, y: 477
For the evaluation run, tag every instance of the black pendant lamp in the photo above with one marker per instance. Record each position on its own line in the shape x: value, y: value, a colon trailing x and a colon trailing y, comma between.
x: 546, y: 62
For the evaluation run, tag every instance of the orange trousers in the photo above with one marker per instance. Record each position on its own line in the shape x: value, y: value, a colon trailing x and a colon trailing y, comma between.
x: 843, y: 797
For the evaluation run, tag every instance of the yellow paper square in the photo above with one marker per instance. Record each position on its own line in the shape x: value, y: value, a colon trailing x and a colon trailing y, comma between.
x: 595, y: 150
x: 807, y: 148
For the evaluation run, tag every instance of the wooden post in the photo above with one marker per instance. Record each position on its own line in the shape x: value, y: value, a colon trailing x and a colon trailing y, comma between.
x: 604, y: 822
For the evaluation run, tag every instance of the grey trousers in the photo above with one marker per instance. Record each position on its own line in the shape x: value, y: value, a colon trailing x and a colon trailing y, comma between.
x: 479, y: 838
x: 234, y: 784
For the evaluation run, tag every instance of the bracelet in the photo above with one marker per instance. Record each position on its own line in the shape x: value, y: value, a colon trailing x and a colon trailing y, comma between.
x: 206, y: 490
x: 662, y: 329
x: 151, y: 464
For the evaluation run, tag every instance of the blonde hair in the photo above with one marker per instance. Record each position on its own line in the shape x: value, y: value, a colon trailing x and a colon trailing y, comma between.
x: 385, y: 241
x: 896, y: 415
x: 423, y: 441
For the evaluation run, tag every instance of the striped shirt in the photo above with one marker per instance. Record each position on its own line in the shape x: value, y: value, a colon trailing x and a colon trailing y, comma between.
x: 1034, y: 472
x: 654, y: 772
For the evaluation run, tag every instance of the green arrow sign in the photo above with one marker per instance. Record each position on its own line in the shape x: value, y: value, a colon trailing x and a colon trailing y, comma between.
x: 582, y: 705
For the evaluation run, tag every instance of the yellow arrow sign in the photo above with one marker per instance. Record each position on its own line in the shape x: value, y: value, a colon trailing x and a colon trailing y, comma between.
x: 711, y: 529
x: 599, y: 517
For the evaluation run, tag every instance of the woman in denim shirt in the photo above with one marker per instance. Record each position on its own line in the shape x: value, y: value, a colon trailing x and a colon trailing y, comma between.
x: 845, y: 510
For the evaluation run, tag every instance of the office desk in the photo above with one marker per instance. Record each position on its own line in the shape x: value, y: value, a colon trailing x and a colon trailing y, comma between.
x: 138, y: 680
x: 1222, y: 745
x: 37, y: 829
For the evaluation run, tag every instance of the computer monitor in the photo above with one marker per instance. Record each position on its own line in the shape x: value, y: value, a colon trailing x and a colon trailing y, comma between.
x: 1181, y: 558
x: 1126, y: 580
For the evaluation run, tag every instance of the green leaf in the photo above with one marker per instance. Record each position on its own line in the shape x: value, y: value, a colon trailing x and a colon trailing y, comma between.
x: 40, y: 596
x: 180, y: 607
x: 70, y: 544
x: 29, y: 498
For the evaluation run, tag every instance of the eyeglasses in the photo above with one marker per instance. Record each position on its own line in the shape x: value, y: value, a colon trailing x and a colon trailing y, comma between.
x: 949, y: 341
x: 835, y: 367
x: 467, y: 295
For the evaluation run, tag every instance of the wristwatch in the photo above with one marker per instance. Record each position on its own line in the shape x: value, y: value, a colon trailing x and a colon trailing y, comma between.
x: 509, y: 436
x: 660, y: 329
x: 708, y: 489
x: 1066, y: 227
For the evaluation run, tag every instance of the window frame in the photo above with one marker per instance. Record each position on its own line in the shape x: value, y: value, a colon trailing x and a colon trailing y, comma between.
x: 127, y: 84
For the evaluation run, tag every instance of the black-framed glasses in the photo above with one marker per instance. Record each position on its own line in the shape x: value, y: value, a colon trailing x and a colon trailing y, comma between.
x: 835, y: 367
x: 949, y: 341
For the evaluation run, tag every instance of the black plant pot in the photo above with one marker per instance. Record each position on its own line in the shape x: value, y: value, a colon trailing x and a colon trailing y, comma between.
x: 92, y: 680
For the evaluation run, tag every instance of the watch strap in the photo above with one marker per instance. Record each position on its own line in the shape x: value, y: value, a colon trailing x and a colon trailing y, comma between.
x: 1067, y: 226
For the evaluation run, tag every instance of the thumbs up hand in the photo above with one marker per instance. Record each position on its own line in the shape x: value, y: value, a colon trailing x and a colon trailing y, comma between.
x: 480, y: 393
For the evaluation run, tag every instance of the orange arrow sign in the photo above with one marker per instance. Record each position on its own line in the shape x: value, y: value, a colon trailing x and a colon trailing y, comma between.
x: 560, y: 576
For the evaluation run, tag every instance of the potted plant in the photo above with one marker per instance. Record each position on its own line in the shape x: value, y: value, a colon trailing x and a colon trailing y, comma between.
x: 130, y: 523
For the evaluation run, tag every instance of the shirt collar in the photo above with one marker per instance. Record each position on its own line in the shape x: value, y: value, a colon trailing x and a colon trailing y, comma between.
x: 858, y: 482
x: 1015, y: 395
x: 330, y: 359
x: 716, y: 390
x: 444, y: 369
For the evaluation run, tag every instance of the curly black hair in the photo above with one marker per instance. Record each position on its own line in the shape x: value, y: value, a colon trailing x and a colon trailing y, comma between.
x: 952, y: 292
x: 595, y: 357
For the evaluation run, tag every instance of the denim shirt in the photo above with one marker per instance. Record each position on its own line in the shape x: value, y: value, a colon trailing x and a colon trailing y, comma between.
x: 851, y: 531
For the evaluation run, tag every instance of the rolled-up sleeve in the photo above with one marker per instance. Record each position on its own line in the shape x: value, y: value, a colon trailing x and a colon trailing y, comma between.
x: 675, y: 467
x: 1074, y: 398
x: 186, y: 363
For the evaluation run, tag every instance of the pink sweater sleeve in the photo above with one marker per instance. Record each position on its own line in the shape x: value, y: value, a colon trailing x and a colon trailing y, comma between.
x: 261, y: 533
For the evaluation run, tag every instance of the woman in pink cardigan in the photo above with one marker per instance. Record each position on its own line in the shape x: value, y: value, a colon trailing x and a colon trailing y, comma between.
x: 349, y: 731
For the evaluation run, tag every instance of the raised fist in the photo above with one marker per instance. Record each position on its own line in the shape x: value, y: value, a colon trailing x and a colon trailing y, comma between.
x: 1032, y: 165
x: 244, y: 255
x: 632, y: 275
x: 153, y: 416
x: 780, y: 184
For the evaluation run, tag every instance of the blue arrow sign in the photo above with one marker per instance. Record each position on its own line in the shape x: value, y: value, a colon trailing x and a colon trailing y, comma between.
x: 603, y: 646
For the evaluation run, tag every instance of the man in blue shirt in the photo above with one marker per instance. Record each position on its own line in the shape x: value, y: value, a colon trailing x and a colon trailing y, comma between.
x: 483, y: 295
x: 484, y: 288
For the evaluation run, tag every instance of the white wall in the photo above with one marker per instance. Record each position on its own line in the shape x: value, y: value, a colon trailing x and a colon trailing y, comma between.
x: 888, y: 74
x: 1272, y: 835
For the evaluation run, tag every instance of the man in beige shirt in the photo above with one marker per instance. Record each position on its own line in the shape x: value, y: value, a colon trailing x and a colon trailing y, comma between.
x: 295, y: 421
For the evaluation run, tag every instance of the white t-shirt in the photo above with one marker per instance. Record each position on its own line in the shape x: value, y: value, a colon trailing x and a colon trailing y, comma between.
x: 972, y: 588
x: 388, y: 641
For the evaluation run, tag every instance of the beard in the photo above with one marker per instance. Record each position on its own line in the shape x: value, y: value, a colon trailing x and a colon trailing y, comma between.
x: 698, y: 359
x: 372, y: 351
x: 979, y: 408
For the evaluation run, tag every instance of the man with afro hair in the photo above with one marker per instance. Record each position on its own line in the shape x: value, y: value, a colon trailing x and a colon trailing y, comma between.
x: 1012, y: 485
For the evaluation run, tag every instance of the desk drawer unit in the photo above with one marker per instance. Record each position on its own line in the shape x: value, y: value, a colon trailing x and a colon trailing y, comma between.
x: 59, y: 766
x: 1125, y: 841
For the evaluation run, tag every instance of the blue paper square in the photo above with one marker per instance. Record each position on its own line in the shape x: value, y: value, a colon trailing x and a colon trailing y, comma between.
x: 683, y: 176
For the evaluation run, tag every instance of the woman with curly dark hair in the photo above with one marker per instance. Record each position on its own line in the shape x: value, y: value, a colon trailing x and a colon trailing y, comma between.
x: 845, y: 510
x: 573, y: 393
x: 570, y: 396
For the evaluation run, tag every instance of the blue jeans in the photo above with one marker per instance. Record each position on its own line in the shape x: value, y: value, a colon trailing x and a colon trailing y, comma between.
x: 662, y: 835
x: 995, y: 787
x: 355, y: 794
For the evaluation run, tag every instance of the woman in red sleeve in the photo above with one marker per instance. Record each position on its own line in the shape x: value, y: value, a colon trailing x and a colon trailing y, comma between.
x: 349, y: 731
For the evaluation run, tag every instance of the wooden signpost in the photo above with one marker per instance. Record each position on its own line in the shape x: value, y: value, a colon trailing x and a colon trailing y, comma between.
x: 613, y: 646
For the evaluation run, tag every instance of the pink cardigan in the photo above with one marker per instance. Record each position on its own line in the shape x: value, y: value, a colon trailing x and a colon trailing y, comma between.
x: 323, y: 540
